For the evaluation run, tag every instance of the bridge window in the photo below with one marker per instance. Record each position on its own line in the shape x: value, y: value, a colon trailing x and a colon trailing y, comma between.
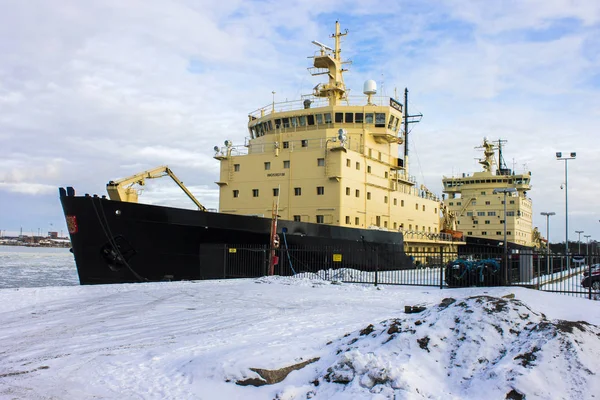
x: 319, y: 119
x: 339, y: 117
x: 379, y: 120
x: 302, y: 120
x: 327, y: 118
x: 286, y: 122
x: 369, y: 118
x: 349, y: 118
x: 358, y: 118
x: 294, y: 121
x: 310, y: 119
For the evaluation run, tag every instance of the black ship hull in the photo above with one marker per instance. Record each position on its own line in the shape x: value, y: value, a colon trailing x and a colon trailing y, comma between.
x: 486, y: 247
x: 121, y: 242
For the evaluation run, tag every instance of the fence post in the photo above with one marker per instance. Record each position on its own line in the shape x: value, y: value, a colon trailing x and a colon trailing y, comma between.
x: 441, y: 266
x: 590, y: 277
x: 225, y: 248
x: 377, y: 266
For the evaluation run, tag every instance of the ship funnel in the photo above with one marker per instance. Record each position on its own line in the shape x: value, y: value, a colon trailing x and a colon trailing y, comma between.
x: 370, y: 88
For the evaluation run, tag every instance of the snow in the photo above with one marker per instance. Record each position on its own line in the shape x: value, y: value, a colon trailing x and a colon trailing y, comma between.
x: 195, y: 340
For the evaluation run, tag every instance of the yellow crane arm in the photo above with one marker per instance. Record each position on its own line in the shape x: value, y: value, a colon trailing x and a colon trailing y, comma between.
x: 124, y: 189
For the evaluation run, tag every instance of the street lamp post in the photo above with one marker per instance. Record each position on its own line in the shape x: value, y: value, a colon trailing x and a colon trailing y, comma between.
x: 505, y: 191
x: 579, y: 241
x: 547, y: 215
x: 587, y: 245
x: 560, y: 157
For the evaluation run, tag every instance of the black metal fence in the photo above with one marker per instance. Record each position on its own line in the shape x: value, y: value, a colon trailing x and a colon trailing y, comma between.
x: 572, y: 275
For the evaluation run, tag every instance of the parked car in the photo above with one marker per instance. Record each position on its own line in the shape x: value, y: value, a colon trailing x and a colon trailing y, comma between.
x: 594, y: 279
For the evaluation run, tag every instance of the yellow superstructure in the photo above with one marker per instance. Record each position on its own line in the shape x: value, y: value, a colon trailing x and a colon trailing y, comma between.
x: 479, y: 211
x: 331, y: 159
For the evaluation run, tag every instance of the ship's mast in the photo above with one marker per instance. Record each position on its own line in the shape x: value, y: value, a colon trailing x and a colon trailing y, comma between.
x: 408, y: 119
x: 329, y: 62
x: 503, y: 169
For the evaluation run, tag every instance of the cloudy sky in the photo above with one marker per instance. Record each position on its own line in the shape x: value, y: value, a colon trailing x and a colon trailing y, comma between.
x: 96, y: 90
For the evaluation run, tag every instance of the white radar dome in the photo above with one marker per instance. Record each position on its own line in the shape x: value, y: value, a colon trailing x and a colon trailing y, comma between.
x: 370, y: 87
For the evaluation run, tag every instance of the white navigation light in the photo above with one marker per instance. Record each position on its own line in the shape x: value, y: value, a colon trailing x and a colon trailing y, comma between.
x: 216, y: 148
x: 370, y: 87
x: 228, y: 143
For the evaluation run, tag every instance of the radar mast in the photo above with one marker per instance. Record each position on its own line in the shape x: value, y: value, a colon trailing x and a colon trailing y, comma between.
x: 329, y: 61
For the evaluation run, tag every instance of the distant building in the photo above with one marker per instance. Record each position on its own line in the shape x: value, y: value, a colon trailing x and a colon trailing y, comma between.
x: 53, y: 235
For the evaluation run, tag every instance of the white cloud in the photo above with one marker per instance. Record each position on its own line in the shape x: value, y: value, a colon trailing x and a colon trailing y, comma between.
x: 27, y: 188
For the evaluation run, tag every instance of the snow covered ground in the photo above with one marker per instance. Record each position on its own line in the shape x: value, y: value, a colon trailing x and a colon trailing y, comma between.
x: 200, y: 340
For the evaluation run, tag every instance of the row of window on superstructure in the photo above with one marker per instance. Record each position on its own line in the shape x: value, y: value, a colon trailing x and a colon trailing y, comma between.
x: 377, y: 119
x: 321, y: 191
x: 297, y: 192
x: 320, y: 163
x: 460, y: 182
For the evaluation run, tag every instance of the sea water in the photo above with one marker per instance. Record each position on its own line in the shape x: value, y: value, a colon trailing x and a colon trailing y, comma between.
x: 22, y: 266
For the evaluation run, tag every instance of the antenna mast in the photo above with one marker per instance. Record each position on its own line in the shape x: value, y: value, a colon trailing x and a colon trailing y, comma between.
x: 408, y: 119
